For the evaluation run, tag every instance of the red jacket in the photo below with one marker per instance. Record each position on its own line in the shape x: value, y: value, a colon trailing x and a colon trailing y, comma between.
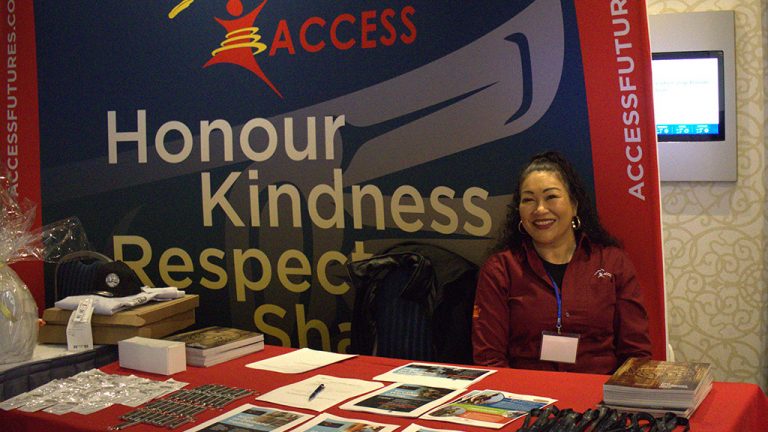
x: 601, y: 301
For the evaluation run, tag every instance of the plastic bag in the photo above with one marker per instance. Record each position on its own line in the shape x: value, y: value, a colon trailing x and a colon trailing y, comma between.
x: 18, y: 318
x: 18, y: 242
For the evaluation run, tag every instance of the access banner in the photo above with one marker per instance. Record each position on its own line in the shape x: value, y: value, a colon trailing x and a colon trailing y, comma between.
x: 246, y: 151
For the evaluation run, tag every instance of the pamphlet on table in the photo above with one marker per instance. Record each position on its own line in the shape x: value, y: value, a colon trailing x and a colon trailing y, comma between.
x: 405, y: 400
x: 331, y: 423
x: 413, y: 427
x: 487, y: 408
x: 253, y: 418
x: 437, y: 375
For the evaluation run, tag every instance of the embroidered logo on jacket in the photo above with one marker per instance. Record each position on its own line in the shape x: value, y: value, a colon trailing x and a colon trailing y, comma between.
x: 601, y: 273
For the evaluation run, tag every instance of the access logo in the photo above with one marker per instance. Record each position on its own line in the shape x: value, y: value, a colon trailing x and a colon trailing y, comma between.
x: 367, y: 29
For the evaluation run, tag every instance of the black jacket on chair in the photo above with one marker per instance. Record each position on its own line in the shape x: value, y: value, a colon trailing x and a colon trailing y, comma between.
x: 414, y: 301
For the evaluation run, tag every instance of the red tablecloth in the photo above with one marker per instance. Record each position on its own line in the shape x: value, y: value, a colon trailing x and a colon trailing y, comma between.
x: 729, y: 407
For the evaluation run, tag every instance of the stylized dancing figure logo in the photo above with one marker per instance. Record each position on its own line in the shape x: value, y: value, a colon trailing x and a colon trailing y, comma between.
x: 241, y: 43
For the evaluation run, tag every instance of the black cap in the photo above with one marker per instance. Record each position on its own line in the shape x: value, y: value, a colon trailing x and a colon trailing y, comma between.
x: 116, y: 279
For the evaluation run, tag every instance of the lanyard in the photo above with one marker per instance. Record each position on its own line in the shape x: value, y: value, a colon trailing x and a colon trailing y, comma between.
x: 559, y: 324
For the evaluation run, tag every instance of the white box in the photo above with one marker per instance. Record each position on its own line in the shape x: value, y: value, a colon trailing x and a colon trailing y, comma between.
x: 152, y: 355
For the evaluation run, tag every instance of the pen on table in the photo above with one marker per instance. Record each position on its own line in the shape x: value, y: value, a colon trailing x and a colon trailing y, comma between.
x: 317, y: 391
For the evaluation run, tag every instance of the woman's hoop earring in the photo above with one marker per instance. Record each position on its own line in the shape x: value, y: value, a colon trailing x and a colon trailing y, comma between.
x: 520, y: 228
x: 576, y: 223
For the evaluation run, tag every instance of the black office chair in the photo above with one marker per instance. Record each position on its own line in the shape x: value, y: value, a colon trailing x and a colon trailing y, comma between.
x: 75, y: 273
x: 403, y: 326
x: 413, y: 301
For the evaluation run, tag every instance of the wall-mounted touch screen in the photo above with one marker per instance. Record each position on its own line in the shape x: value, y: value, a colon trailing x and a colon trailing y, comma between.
x: 694, y: 95
x: 689, y: 96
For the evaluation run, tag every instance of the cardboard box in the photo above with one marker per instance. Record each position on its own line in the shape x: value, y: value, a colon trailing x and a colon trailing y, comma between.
x: 150, y: 320
x: 152, y: 355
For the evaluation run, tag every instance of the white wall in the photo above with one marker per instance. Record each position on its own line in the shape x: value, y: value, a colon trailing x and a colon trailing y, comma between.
x: 714, y: 233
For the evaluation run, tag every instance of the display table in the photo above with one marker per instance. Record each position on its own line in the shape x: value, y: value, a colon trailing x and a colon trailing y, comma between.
x: 729, y: 406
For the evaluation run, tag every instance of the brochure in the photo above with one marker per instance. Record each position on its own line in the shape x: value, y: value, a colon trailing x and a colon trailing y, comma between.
x: 329, y: 423
x: 334, y: 391
x: 246, y: 418
x: 487, y: 408
x: 405, y: 400
x: 437, y: 375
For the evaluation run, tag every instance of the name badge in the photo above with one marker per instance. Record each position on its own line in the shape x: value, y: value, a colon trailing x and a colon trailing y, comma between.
x: 559, y: 347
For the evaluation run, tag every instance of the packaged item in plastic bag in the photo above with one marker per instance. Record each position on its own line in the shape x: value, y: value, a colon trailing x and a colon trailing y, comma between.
x: 18, y: 318
x: 19, y: 242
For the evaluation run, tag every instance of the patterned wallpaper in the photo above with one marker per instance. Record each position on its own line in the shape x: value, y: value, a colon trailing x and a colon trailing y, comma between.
x: 714, y: 233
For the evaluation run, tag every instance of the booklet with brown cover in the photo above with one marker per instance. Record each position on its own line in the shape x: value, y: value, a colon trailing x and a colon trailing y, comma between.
x: 645, y: 384
x: 216, y: 344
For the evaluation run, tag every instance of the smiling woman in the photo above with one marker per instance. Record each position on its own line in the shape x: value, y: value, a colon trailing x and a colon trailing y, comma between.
x: 559, y: 293
x: 548, y: 215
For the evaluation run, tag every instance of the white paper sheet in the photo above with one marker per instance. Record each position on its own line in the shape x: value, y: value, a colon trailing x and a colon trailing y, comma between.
x: 299, y: 361
x: 336, y: 391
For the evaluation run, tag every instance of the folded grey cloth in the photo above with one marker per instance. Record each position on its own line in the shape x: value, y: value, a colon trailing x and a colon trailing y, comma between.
x: 110, y: 305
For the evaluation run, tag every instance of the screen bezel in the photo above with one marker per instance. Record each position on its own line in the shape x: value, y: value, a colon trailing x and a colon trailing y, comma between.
x: 681, y: 55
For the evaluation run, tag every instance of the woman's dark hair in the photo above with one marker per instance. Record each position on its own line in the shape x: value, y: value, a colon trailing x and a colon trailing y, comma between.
x: 512, y: 237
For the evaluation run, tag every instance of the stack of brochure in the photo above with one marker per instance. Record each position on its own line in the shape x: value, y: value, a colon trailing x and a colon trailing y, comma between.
x: 658, y: 387
x: 213, y: 345
x: 418, y: 390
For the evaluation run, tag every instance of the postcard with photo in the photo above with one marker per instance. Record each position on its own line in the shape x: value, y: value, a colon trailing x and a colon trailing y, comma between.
x: 246, y: 418
x: 437, y: 375
x: 413, y: 427
x: 487, y: 408
x: 404, y: 400
x: 330, y: 423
